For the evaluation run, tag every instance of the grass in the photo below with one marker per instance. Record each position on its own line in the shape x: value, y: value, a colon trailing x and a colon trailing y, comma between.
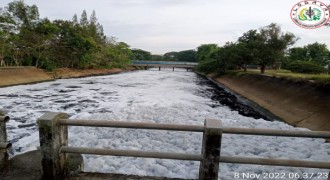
x: 321, y: 78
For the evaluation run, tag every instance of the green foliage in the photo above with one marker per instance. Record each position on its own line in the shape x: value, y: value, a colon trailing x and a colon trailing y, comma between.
x: 155, y: 57
x: 315, y: 52
x: 171, y: 56
x: 48, y: 65
x: 187, y: 56
x: 208, y: 66
x: 27, y: 40
x: 307, y: 67
x: 265, y: 46
x: 206, y: 52
x: 184, y: 56
x: 139, y: 54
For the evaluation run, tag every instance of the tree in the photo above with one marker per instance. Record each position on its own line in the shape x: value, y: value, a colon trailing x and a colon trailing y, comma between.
x: 298, y: 54
x: 75, y: 19
x: 250, y: 46
x: 209, y: 57
x: 318, y: 53
x: 156, y: 57
x: 139, y: 54
x: 27, y: 40
x: 23, y: 14
x: 275, y: 42
x: 42, y: 38
x: 206, y: 51
x: 171, y: 56
x: 187, y: 56
x: 84, y: 19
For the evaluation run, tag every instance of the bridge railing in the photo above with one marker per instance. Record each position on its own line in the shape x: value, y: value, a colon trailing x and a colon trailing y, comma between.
x: 54, y: 144
x: 4, y: 144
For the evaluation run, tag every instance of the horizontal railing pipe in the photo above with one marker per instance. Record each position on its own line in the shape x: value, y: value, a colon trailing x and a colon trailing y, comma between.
x: 194, y: 128
x: 274, y: 132
x: 131, y: 153
x: 4, y: 118
x: 275, y: 162
x: 5, y: 145
x: 134, y: 125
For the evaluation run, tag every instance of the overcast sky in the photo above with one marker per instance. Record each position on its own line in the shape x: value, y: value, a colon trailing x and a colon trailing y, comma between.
x: 160, y: 26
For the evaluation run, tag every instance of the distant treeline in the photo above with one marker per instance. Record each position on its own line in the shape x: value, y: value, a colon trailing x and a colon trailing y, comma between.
x: 264, y: 47
x: 267, y: 46
x: 26, y: 39
x: 186, y: 56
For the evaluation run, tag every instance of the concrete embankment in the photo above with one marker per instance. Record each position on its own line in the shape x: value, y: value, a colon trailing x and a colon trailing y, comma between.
x: 301, y: 104
x: 22, y: 75
x: 10, y: 76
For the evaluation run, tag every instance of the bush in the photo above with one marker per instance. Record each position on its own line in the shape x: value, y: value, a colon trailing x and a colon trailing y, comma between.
x: 307, y: 67
x: 48, y: 65
x: 207, y: 66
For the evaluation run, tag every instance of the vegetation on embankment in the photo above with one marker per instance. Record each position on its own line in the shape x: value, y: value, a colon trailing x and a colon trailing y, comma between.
x: 300, y: 103
x: 29, y: 40
x: 322, y: 79
x: 267, y: 48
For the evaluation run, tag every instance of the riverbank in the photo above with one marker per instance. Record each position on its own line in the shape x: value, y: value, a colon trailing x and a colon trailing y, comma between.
x: 299, y: 103
x: 11, y: 76
x: 22, y: 75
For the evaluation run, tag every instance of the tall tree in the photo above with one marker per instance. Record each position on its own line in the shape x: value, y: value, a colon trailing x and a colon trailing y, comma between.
x: 275, y: 44
x: 206, y: 51
x: 318, y: 53
x: 84, y: 19
x: 187, y: 56
x: 75, y: 19
x: 139, y: 54
x: 23, y: 14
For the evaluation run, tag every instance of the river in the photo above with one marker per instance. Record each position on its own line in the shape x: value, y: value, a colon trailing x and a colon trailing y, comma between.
x: 177, y: 97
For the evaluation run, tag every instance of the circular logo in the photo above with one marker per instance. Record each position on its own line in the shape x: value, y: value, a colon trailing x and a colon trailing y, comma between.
x: 310, y: 14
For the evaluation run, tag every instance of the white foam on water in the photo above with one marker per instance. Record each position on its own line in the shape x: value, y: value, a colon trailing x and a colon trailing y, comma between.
x: 157, y: 97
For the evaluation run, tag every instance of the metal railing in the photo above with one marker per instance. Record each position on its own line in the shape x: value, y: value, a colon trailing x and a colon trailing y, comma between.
x: 54, y: 144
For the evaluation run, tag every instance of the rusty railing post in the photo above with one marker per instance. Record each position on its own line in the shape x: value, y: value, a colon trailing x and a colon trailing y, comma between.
x: 52, y: 136
x: 209, y: 166
x: 3, y: 140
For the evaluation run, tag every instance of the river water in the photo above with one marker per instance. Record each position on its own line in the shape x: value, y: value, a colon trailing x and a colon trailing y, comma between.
x: 177, y: 97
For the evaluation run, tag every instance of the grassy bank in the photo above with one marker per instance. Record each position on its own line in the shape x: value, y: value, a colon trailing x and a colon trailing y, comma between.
x: 319, y: 78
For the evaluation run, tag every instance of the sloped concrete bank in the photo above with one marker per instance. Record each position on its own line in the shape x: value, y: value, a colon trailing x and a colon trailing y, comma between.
x: 301, y: 104
x: 10, y: 76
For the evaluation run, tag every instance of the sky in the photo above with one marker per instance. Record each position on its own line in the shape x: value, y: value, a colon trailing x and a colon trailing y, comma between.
x: 161, y: 26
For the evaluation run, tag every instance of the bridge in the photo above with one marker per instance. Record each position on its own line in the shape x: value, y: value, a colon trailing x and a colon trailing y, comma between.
x: 164, y: 64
